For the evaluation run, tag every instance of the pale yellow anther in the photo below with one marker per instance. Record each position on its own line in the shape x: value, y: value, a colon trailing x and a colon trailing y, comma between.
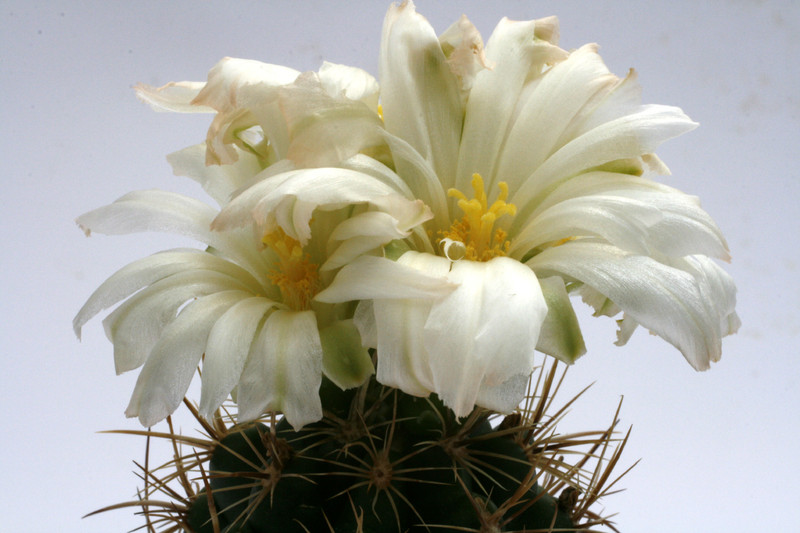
x: 476, y: 228
x: 296, y: 276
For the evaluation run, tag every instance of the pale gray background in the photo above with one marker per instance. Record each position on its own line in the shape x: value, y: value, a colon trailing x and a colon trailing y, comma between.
x: 718, y: 449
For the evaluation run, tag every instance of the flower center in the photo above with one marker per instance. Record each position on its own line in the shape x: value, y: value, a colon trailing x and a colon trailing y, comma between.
x: 474, y: 237
x: 297, y: 276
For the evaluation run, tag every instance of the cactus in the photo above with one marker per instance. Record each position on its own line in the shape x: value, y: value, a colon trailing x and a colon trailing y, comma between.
x: 383, y: 461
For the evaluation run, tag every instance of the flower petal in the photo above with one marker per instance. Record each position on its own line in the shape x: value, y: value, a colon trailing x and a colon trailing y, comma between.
x: 317, y: 121
x: 227, y: 348
x: 283, y: 371
x: 691, y: 305
x: 138, y: 323
x: 349, y: 82
x: 415, y: 275
x: 547, y: 109
x: 561, y: 334
x: 419, y: 93
x: 484, y: 332
x: 681, y: 228
x: 166, y: 375
x: 219, y: 181
x: 144, y: 272
x: 627, y: 137
x: 244, y: 94
x: 174, y: 96
x: 516, y: 53
x: 463, y: 46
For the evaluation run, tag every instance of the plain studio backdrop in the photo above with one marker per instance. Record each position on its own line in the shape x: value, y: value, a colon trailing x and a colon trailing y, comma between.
x: 717, y: 449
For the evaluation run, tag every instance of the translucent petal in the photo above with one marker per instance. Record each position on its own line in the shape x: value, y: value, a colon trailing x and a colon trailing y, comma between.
x: 174, y: 96
x: 345, y: 361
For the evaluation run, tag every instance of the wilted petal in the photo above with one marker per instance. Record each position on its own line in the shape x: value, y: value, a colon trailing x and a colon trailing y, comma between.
x: 463, y: 46
x: 174, y: 96
x: 244, y: 94
x: 324, y: 129
x: 219, y: 181
x: 350, y: 82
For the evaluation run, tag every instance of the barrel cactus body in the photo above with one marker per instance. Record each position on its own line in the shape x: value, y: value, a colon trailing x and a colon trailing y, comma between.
x: 381, y: 461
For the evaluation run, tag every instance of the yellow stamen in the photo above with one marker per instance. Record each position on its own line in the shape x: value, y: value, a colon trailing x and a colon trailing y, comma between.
x: 475, y: 230
x: 297, y: 276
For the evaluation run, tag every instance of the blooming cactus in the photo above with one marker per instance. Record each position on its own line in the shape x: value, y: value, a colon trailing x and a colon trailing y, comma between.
x: 446, y: 227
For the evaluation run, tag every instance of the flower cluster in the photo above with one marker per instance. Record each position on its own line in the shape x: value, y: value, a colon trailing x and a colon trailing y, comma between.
x: 443, y: 218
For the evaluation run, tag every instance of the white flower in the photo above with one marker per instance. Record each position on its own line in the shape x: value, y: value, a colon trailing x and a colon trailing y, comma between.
x: 536, y: 164
x: 244, y: 305
x: 276, y: 113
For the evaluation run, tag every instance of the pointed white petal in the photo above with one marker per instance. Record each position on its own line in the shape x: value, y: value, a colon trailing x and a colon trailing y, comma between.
x: 137, y: 325
x: 366, y: 278
x: 690, y: 305
x: 484, y: 332
x: 226, y: 351
x: 420, y: 177
x: 627, y: 137
x: 682, y: 228
x: 283, y: 371
x: 516, y: 54
x: 168, y: 371
x: 548, y: 108
x: 144, y: 272
x: 151, y: 210
x: 174, y: 96
x: 623, y: 222
x: 419, y: 93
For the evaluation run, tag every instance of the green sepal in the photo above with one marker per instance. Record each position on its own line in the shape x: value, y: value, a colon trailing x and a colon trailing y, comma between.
x: 561, y: 334
x: 344, y: 360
